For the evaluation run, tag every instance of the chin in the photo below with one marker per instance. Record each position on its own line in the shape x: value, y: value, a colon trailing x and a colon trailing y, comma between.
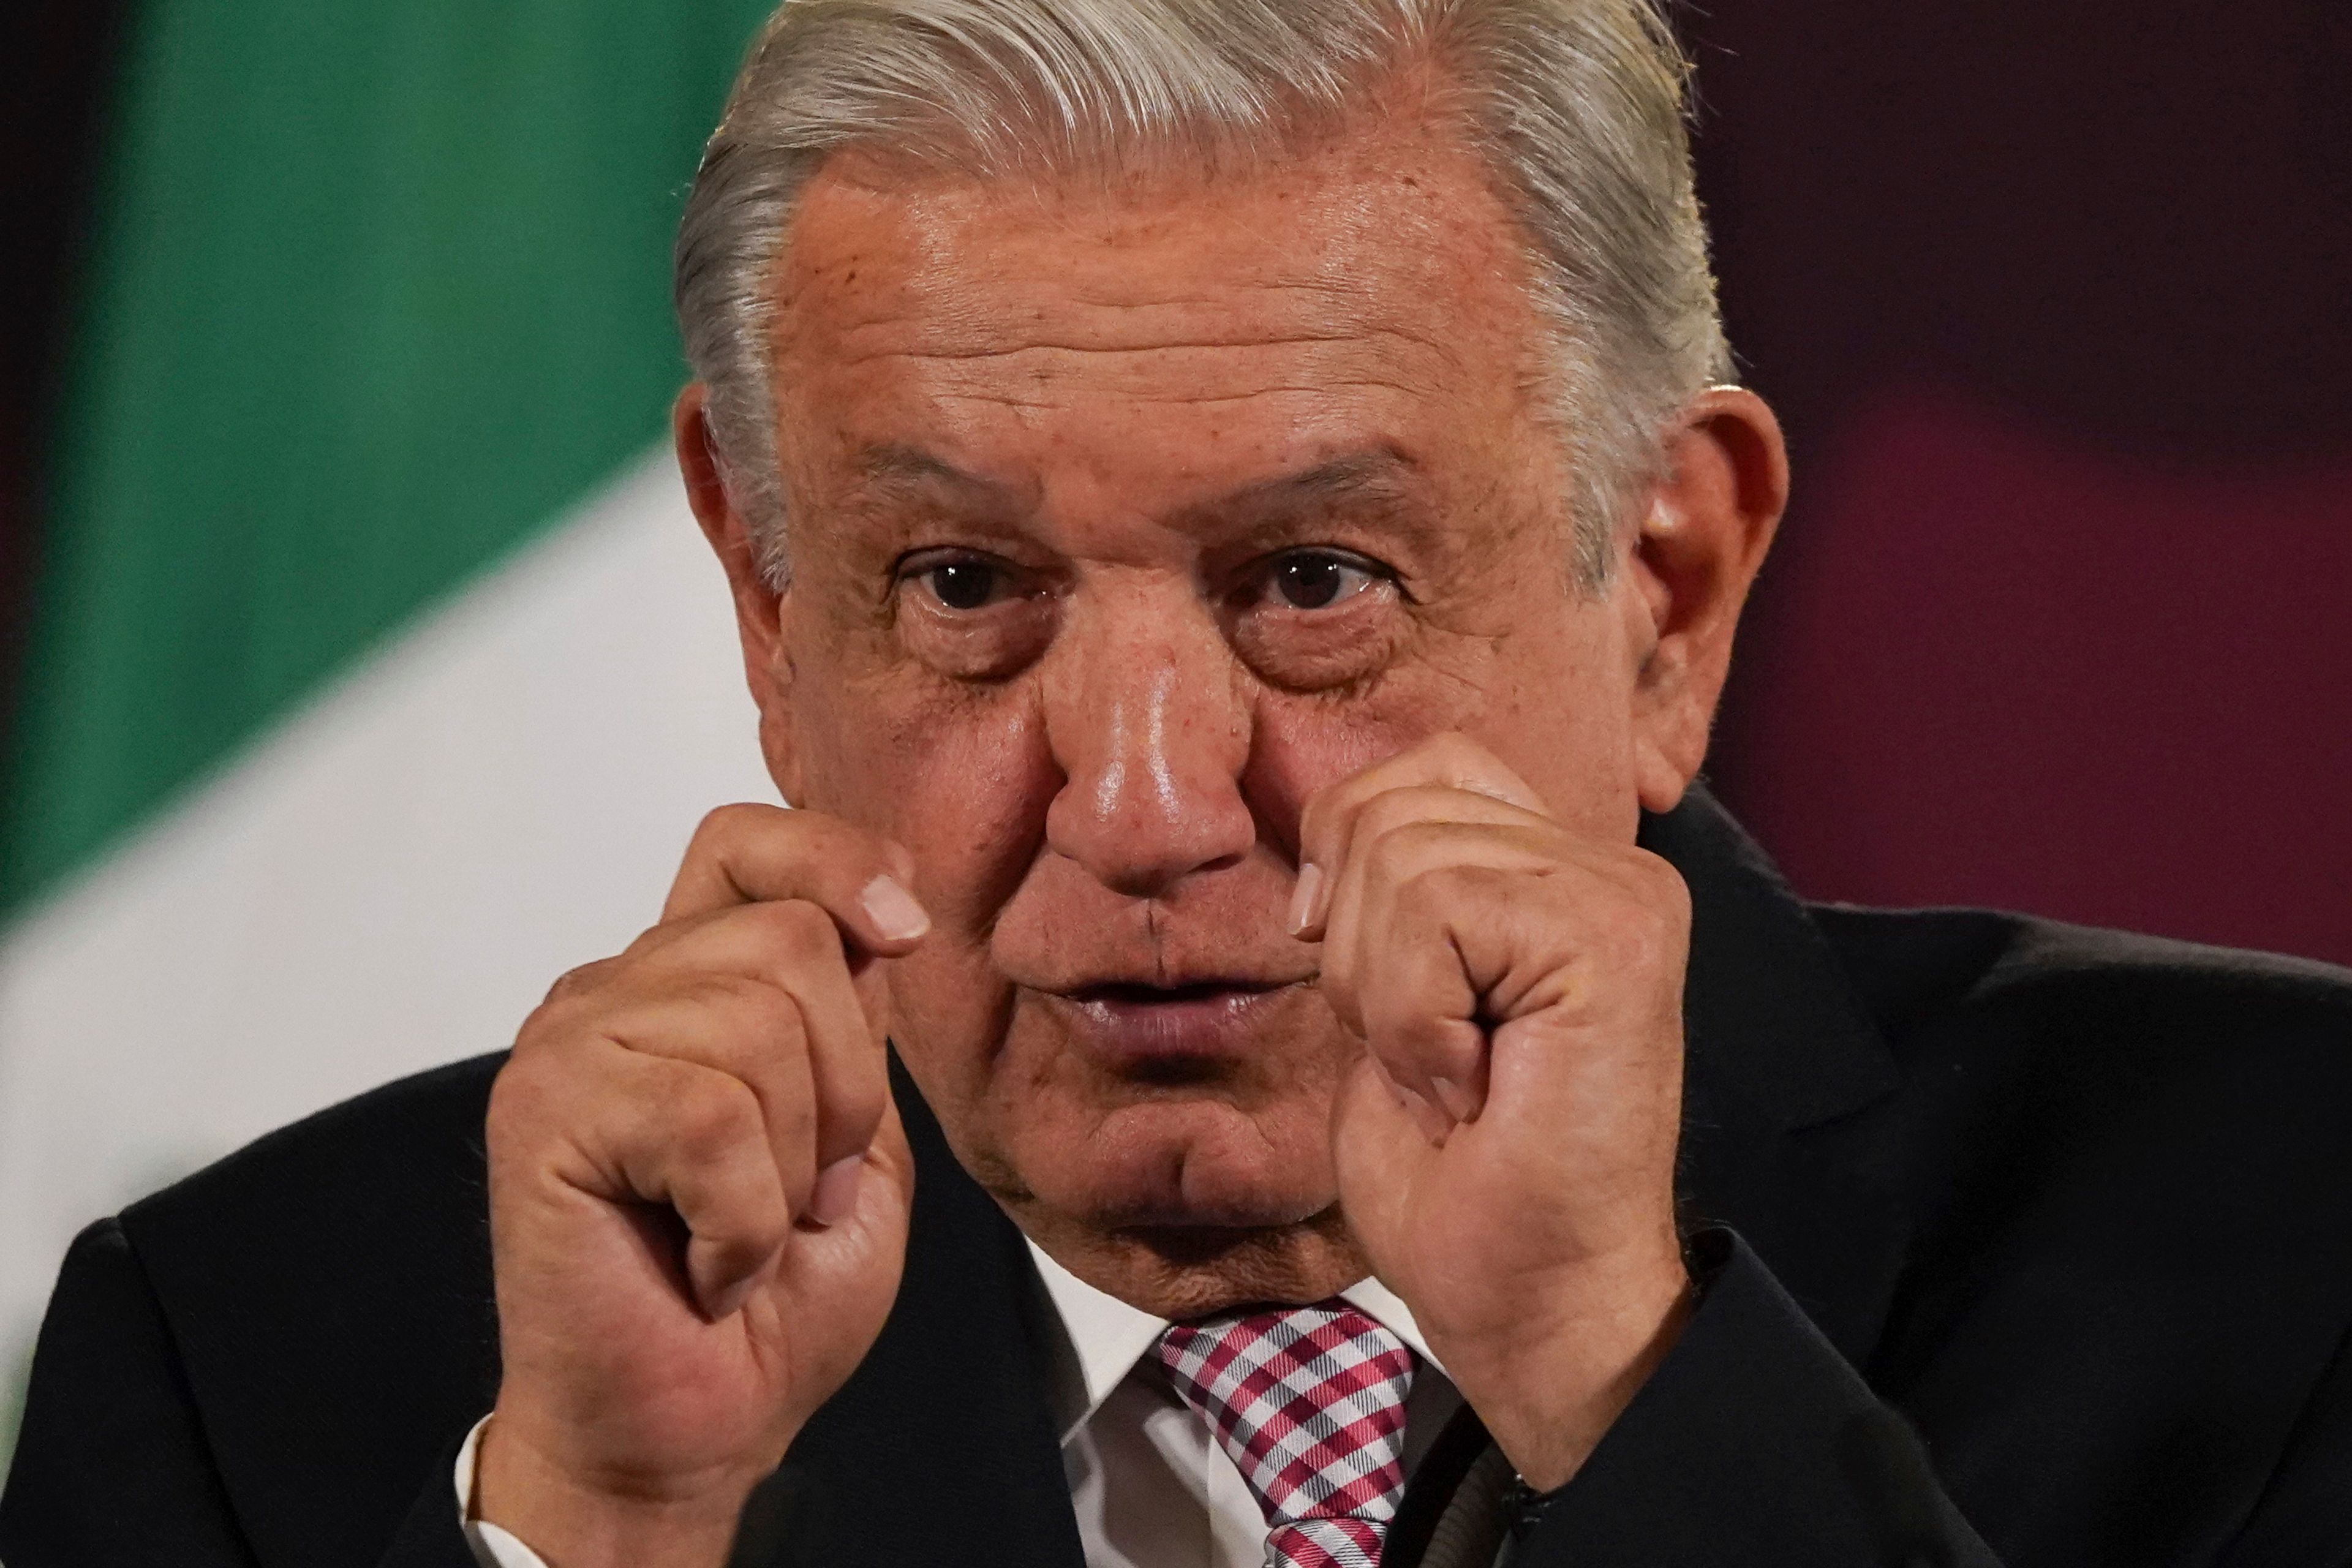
x: 1186, y: 1164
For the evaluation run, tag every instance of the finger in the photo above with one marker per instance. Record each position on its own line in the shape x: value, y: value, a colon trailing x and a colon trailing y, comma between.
x: 744, y: 1029
x: 585, y: 978
x: 748, y: 853
x: 1432, y: 1121
x: 660, y: 1129
x: 1498, y: 836
x: 1363, y: 940
x: 1380, y: 1149
x: 1450, y: 764
x: 1424, y: 1015
x: 868, y: 1217
x: 796, y: 947
x: 1374, y: 820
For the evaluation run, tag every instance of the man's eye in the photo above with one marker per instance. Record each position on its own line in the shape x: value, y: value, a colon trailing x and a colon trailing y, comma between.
x: 963, y: 585
x: 1316, y: 580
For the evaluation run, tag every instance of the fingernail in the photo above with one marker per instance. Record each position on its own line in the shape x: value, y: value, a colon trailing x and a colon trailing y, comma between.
x: 1455, y: 1098
x: 835, y: 1196
x: 895, y: 913
x: 1304, y: 896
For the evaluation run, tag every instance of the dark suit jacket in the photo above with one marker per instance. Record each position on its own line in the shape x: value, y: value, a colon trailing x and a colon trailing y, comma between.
x: 2077, y: 1206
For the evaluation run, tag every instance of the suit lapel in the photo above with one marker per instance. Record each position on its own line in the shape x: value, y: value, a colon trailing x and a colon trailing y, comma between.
x: 1780, y: 1061
x: 940, y: 1449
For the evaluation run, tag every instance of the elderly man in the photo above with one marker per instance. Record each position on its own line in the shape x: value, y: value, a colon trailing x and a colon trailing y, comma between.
x: 1252, y: 1047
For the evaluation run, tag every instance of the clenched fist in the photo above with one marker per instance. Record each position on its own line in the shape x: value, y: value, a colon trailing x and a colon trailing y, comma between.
x: 1505, y: 1148
x: 699, y: 1194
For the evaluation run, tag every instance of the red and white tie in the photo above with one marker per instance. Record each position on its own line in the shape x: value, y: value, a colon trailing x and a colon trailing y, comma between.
x: 1309, y: 1401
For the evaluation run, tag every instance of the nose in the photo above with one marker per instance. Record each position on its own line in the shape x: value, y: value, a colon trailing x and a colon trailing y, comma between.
x: 1148, y: 719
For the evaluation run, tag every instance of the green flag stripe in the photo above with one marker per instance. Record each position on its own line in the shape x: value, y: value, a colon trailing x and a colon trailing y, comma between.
x: 377, y: 290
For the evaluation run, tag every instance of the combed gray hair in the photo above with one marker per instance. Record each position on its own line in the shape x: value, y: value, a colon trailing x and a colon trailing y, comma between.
x: 1576, y: 105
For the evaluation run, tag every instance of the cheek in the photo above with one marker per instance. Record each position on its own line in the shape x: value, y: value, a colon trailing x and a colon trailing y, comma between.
x: 1303, y: 746
x: 1553, y: 703
x: 962, y: 778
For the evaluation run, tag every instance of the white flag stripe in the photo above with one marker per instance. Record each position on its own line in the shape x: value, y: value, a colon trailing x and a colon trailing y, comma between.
x: 388, y: 881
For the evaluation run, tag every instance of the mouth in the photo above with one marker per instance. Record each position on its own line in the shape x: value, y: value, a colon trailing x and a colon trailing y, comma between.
x: 1170, y: 1033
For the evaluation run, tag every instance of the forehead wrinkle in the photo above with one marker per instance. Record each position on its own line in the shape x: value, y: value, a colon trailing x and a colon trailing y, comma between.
x: 1005, y: 347
x: 1174, y: 399
x: 1340, y: 369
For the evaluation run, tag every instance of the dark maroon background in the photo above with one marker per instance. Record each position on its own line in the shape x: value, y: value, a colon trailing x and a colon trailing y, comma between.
x: 2056, y: 300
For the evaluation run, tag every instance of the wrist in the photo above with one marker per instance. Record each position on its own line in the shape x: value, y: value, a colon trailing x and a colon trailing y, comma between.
x: 572, y: 1520
x: 1549, y: 1391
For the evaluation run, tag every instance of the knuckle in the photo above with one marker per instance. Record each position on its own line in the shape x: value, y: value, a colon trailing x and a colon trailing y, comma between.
x: 546, y: 1028
x: 1663, y: 897
x: 1384, y: 815
x: 1422, y: 869
x: 573, y: 981
x: 799, y: 930
x: 723, y: 825
x: 721, y: 822
x: 792, y: 1119
x: 1384, y: 848
x: 859, y: 1102
x: 711, y: 1114
x: 753, y: 1004
x: 712, y: 830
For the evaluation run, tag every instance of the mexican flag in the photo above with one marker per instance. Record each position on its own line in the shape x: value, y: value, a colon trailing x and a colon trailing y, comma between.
x: 376, y: 671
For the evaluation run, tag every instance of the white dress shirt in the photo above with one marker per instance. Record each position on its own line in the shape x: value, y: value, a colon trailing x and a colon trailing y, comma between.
x: 1149, y: 1481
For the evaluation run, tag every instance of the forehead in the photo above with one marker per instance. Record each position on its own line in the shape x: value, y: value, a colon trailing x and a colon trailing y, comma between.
x: 1365, y: 289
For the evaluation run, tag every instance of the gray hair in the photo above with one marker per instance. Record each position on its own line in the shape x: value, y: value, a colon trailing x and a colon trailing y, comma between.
x: 1577, y: 106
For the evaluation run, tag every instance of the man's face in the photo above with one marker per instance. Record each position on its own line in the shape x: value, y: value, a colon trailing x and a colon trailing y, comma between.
x: 1123, y: 522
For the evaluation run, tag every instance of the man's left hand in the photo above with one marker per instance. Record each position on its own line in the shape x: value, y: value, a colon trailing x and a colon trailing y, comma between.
x: 1505, y: 1148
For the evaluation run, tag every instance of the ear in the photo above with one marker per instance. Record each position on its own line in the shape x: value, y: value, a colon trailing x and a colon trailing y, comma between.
x: 762, y: 611
x: 1709, y: 519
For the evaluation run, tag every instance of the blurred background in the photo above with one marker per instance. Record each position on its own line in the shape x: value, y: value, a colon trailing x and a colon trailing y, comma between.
x: 360, y: 669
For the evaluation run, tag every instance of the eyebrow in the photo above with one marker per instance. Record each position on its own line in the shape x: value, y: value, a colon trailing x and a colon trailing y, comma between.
x: 897, y: 467
x: 1377, y: 473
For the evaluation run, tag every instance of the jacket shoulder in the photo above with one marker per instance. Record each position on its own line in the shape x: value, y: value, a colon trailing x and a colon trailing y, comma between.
x: 2120, y: 1098
x: 327, y: 1290
x: 416, y: 1136
x: 1917, y: 969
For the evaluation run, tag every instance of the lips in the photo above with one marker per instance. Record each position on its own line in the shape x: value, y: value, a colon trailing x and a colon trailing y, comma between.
x: 1150, y: 1029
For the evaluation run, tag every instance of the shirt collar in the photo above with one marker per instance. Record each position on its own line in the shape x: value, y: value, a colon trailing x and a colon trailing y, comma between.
x: 1106, y: 1337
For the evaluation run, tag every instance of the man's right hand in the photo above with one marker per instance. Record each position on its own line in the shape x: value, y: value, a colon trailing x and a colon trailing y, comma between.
x: 699, y: 1194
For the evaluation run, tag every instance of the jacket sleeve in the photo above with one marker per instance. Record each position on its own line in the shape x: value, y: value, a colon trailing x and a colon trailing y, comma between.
x: 112, y: 1468
x: 1753, y: 1445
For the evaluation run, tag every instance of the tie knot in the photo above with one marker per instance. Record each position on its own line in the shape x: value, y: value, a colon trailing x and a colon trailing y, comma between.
x: 1309, y: 1401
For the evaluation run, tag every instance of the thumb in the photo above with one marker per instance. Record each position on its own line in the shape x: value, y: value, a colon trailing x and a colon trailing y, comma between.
x: 1382, y: 1154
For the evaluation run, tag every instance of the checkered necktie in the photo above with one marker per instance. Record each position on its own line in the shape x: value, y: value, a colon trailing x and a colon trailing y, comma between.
x: 1309, y: 1401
